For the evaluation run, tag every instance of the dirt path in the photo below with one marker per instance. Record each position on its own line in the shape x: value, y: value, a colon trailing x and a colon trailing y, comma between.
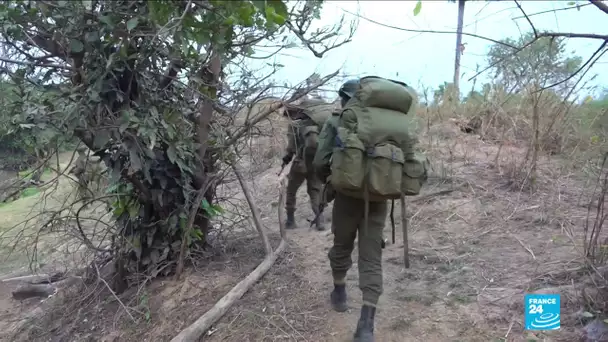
x: 474, y: 253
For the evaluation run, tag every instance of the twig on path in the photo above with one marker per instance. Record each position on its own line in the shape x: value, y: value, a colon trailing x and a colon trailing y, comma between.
x: 524, y: 246
x: 510, y: 327
x: 434, y: 194
x: 113, y: 293
x: 292, y: 328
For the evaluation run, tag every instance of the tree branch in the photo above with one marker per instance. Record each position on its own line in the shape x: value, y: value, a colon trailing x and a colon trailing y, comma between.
x: 599, y: 4
x: 589, y: 62
x: 527, y: 18
x: 308, y: 43
x: 553, y: 10
x: 431, y: 31
x: 48, y: 45
x: 251, y: 202
x: 42, y: 65
x: 233, y: 138
x: 541, y: 35
x: 573, y: 35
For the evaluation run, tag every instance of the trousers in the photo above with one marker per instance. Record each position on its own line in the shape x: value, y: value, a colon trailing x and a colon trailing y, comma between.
x: 313, y: 187
x: 347, y: 222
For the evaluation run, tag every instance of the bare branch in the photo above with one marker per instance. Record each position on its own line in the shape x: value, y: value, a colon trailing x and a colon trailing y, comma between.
x: 590, y: 62
x: 43, y: 65
x: 527, y: 18
x: 573, y: 35
x: 517, y: 50
x: 552, y: 11
x: 541, y: 35
x: 272, y: 108
x: 431, y: 31
x: 320, y: 37
x: 599, y: 4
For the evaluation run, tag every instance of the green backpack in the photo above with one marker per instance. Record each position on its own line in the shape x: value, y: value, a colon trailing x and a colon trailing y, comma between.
x: 374, y: 158
x: 309, y: 115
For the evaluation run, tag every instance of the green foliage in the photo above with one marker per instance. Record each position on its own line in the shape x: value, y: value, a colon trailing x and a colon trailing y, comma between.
x: 544, y: 62
x: 27, y: 192
x: 418, y: 8
x: 31, y: 191
x: 112, y: 94
x: 27, y: 174
x: 211, y: 210
x: 594, y: 116
x: 25, y: 133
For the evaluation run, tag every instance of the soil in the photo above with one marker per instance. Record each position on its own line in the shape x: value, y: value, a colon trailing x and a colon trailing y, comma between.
x: 474, y: 253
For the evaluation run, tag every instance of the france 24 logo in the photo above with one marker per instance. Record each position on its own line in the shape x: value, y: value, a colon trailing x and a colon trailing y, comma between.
x: 542, y: 311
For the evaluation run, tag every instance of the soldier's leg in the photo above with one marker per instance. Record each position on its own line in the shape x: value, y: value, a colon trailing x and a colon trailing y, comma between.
x: 370, y: 253
x: 346, y: 216
x: 314, y: 187
x: 295, y: 180
x: 370, y: 269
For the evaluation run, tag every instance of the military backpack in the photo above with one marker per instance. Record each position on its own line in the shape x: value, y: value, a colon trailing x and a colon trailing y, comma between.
x: 373, y: 156
x: 307, y: 119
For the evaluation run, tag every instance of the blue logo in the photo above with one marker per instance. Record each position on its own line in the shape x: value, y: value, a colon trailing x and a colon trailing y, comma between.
x: 542, y: 311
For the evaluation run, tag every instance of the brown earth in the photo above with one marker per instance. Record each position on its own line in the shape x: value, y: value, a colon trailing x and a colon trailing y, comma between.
x: 474, y: 253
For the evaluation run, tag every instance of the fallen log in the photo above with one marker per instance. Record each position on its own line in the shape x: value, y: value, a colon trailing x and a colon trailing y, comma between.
x: 37, y: 278
x: 194, y: 331
x: 26, y: 291
x: 200, y: 326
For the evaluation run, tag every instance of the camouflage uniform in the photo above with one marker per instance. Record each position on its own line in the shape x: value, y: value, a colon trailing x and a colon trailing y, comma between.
x: 81, y: 162
x: 79, y: 170
x: 347, y: 223
x: 302, y: 170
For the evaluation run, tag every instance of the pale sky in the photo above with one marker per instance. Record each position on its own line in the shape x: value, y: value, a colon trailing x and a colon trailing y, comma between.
x: 427, y: 59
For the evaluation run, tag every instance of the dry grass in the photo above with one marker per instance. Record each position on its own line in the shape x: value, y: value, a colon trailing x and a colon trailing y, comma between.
x: 26, y: 239
x: 475, y: 251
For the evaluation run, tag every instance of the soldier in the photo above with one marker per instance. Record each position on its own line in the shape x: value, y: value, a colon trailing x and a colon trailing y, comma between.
x: 79, y: 170
x: 305, y: 122
x: 359, y: 215
x: 81, y: 162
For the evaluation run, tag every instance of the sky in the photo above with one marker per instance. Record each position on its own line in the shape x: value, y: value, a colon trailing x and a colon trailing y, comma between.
x: 427, y: 59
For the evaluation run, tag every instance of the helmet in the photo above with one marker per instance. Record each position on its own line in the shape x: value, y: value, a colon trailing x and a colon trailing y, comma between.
x: 349, y: 88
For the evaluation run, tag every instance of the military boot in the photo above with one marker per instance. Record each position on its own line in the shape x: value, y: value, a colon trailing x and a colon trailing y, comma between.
x: 291, y: 221
x: 365, y: 326
x: 338, y: 298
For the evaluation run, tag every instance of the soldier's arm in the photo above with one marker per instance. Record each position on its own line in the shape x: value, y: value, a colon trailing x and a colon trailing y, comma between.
x: 291, y: 140
x: 321, y: 162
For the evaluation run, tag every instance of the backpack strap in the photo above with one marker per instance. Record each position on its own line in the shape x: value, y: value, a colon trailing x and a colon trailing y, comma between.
x: 406, y: 257
x: 369, y: 152
x: 393, y: 220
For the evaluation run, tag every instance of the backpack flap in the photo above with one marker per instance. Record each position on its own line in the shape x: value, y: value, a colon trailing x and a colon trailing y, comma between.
x: 347, y: 164
x: 382, y: 93
x: 309, y: 135
x: 415, y: 174
x: 385, y: 171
